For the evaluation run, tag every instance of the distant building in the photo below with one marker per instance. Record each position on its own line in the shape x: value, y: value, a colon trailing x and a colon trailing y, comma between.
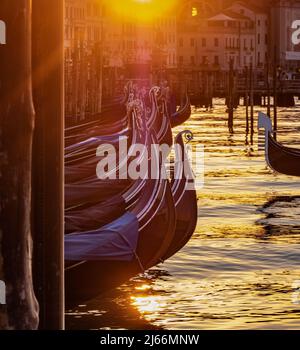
x: 259, y: 28
x: 239, y: 32
x: 285, y: 33
x: 82, y: 24
x: 128, y: 43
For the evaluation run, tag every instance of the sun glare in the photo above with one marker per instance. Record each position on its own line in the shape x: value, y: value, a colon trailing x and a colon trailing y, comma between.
x: 147, y: 304
x: 194, y: 12
x: 141, y: 10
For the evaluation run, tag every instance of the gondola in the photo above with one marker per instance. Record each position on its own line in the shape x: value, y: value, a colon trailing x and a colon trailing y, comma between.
x: 185, y: 202
x: 82, y: 185
x: 185, y: 196
x: 110, y: 120
x: 183, y: 191
x: 158, y: 119
x: 108, y: 115
x: 85, y: 214
x: 183, y: 114
x: 101, y: 259
x: 81, y: 159
x: 132, y: 230
x: 282, y: 159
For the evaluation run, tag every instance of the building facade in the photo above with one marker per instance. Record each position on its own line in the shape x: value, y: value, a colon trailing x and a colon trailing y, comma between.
x: 83, y: 24
x: 128, y: 44
x: 285, y: 33
x: 238, y: 33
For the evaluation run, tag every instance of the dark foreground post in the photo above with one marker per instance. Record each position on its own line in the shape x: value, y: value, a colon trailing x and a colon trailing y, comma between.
x: 48, y: 160
x: 16, y: 132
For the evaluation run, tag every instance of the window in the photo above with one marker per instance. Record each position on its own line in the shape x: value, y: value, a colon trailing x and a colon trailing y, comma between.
x: 258, y: 58
x: 216, y: 42
x: 97, y: 34
x: 258, y: 22
x: 181, y: 42
x: 194, y: 11
x: 203, y: 42
x: 204, y: 59
x: 192, y: 42
x: 181, y: 60
x: 216, y: 60
x: 266, y: 39
x: 258, y: 39
x: 193, y: 60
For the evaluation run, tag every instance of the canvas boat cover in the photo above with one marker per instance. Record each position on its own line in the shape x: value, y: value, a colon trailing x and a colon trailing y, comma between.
x: 96, y: 141
x: 91, y: 217
x: 116, y: 241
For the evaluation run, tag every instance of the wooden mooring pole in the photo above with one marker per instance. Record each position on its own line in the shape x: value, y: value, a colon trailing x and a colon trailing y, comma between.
x: 247, y: 98
x: 230, y: 97
x: 251, y: 103
x: 16, y: 134
x: 275, y: 77
x: 268, y: 87
x: 48, y: 180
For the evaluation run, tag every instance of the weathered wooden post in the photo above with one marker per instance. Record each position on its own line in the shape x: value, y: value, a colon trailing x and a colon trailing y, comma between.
x: 247, y: 98
x: 251, y: 103
x: 275, y: 93
x: 230, y: 97
x: 268, y: 87
x: 99, y: 74
x: 16, y: 133
x: 48, y: 180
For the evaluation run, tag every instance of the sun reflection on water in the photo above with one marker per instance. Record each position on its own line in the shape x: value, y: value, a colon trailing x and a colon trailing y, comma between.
x: 240, y: 268
x: 148, y: 304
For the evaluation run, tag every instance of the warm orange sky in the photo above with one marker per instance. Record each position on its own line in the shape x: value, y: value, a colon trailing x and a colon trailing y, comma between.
x: 143, y: 10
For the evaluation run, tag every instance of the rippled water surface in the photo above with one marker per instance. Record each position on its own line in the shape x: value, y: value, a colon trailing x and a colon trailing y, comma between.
x: 241, y: 270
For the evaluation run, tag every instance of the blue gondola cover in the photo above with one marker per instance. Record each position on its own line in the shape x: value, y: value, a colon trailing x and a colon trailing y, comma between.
x: 116, y: 241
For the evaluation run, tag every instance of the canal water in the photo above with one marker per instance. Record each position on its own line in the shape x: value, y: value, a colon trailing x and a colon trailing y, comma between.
x: 241, y: 270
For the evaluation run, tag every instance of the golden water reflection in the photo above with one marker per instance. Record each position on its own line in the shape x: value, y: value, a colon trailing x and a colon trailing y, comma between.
x: 240, y: 268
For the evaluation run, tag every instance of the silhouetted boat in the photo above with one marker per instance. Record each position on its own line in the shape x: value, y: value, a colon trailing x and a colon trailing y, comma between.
x: 82, y: 185
x: 282, y: 159
x: 110, y: 110
x: 159, y: 120
x: 101, y: 259
x: 114, y: 121
x: 185, y: 196
x: 89, y: 217
x: 183, y: 114
x: 113, y: 232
